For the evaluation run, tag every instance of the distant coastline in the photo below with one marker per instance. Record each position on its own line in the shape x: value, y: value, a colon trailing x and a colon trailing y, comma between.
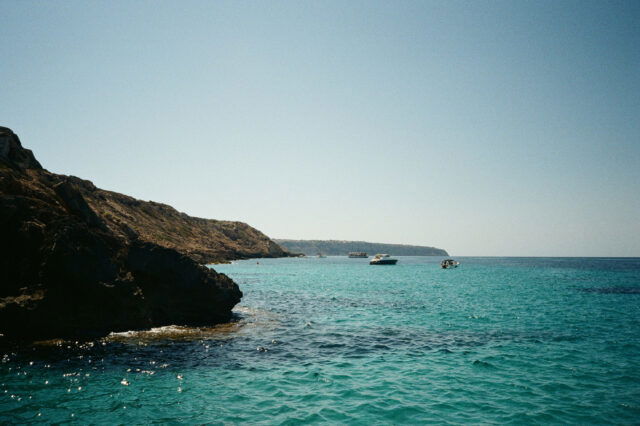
x: 339, y: 248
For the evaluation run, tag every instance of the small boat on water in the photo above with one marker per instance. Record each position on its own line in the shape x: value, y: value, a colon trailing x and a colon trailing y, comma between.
x: 449, y: 263
x: 320, y: 255
x: 383, y: 259
x: 358, y: 254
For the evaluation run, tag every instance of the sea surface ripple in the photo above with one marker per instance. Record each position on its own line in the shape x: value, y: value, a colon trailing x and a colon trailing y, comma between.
x: 334, y: 341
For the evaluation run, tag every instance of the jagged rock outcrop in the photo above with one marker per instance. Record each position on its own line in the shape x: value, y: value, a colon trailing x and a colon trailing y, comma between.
x: 67, y: 271
x: 12, y: 151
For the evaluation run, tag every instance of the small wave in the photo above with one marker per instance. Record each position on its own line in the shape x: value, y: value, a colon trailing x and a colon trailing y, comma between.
x: 248, y: 310
x: 243, y: 317
x: 167, y: 329
x: 174, y: 332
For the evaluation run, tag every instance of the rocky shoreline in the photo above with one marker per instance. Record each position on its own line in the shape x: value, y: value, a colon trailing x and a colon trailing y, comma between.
x: 78, y: 261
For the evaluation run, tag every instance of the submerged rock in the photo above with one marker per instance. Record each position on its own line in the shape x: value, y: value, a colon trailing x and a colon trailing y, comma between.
x: 66, y: 271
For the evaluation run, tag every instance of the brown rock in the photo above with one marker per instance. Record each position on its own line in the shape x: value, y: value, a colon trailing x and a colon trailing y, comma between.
x: 68, y: 270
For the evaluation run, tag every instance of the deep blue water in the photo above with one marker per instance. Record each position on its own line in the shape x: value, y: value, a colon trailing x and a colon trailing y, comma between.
x: 334, y: 341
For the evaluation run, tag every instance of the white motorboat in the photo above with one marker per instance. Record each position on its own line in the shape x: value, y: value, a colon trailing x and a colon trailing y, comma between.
x: 449, y: 264
x: 383, y: 259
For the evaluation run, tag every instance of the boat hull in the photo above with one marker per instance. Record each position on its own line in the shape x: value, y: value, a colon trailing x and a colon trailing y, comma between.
x: 384, y: 262
x: 358, y: 254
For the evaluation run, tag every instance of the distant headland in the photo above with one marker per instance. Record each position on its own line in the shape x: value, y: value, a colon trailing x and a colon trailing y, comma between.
x: 339, y: 248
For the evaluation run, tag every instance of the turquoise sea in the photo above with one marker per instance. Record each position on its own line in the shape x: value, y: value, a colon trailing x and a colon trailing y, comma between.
x: 336, y: 341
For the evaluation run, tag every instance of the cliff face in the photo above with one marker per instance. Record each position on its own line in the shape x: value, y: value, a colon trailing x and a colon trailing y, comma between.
x: 78, y: 261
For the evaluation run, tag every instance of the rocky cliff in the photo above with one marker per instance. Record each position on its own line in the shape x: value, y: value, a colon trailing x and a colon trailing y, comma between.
x: 76, y: 260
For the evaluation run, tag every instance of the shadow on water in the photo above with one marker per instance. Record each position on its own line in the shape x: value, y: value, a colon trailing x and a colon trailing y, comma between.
x: 611, y: 290
x: 609, y: 264
x: 169, y: 345
x: 358, y: 344
x: 256, y: 336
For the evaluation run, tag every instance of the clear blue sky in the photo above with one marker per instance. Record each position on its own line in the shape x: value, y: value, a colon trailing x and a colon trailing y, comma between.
x: 482, y: 127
